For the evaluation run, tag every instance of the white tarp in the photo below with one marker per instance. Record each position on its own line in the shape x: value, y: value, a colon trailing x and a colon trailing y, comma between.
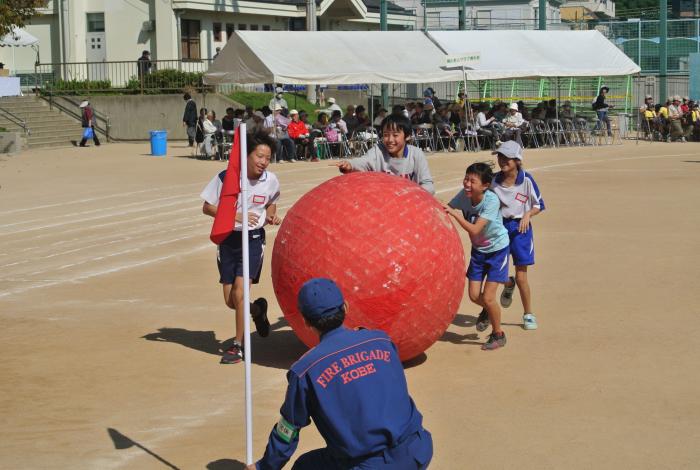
x: 333, y: 57
x: 516, y: 54
x: 351, y: 57
x: 18, y: 37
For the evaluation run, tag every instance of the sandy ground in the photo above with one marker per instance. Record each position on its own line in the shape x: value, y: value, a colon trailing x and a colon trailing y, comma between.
x: 111, y: 319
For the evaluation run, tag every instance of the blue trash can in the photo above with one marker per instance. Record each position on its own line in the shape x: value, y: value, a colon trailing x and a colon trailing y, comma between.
x: 159, y: 143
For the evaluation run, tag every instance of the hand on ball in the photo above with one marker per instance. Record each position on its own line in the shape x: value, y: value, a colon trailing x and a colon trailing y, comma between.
x: 344, y: 166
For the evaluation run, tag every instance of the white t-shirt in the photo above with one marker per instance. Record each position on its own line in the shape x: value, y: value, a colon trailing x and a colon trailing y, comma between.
x: 519, y: 198
x: 263, y: 192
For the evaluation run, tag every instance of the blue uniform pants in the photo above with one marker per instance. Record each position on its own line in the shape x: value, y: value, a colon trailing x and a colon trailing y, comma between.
x: 414, y: 453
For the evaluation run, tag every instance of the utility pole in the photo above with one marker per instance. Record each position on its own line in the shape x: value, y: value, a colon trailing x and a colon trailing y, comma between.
x: 384, y: 26
x: 462, y: 15
x: 663, y: 49
x: 542, y: 15
x: 311, y: 26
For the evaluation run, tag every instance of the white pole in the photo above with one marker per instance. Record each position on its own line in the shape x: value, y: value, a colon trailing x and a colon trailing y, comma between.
x: 246, y: 300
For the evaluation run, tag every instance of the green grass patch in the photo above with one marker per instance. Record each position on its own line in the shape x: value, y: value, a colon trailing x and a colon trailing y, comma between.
x: 258, y: 100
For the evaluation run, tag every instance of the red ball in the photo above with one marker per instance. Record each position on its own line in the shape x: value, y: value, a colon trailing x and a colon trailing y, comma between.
x: 389, y: 246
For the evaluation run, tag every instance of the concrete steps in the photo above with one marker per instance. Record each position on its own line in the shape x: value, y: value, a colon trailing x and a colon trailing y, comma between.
x: 48, y: 127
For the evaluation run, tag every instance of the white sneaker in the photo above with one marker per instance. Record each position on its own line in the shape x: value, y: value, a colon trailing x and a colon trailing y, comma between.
x: 529, y: 322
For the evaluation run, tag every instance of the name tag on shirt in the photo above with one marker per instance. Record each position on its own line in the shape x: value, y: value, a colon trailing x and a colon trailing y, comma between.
x: 521, y: 197
x: 257, y: 199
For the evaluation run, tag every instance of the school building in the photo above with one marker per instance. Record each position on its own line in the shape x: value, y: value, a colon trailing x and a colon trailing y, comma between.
x: 190, y: 30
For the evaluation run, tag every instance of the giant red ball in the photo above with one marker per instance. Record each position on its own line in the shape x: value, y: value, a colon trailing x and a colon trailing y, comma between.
x: 390, y: 247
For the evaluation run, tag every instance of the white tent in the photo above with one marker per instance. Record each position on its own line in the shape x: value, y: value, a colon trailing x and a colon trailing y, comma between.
x: 350, y: 57
x: 516, y: 54
x: 18, y: 37
x: 334, y: 57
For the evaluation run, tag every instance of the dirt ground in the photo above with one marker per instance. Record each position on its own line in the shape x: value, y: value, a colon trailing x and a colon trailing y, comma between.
x: 111, y: 319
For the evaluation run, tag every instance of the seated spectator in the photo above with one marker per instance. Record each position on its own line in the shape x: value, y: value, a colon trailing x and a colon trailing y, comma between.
x: 499, y: 111
x: 486, y: 126
x: 256, y: 122
x: 285, y: 150
x: 398, y: 110
x: 302, y: 138
x: 685, y: 108
x: 410, y: 108
x: 362, y: 118
x: 674, y: 120
x: 350, y: 119
x: 417, y: 114
x: 338, y: 124
x: 648, y: 116
x: 248, y: 112
x: 443, y: 127
x: 199, y: 134
x: 227, y: 122
x: 429, y: 94
x: 514, y: 123
x: 381, y: 114
x: 551, y: 110
x: 522, y: 109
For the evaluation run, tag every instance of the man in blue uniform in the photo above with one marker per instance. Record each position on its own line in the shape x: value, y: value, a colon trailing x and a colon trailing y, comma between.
x: 353, y: 386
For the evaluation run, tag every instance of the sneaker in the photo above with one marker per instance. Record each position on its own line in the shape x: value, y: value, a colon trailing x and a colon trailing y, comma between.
x: 233, y: 355
x: 281, y: 161
x: 498, y: 143
x: 495, y: 341
x: 483, y: 321
x: 529, y: 322
x: 262, y: 324
x: 507, y: 294
x: 315, y: 160
x: 293, y: 160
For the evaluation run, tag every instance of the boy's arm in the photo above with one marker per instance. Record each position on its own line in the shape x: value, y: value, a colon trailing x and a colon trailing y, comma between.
x: 425, y: 180
x: 271, y: 216
x: 209, y: 209
x: 472, y: 229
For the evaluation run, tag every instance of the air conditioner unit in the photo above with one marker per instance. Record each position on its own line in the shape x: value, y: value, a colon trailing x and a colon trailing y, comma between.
x: 149, y: 26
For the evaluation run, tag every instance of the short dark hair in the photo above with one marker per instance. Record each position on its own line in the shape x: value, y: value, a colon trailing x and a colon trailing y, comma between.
x: 397, y: 109
x: 336, y: 114
x: 360, y: 109
x: 229, y: 109
x: 398, y: 122
x: 256, y: 139
x: 329, y: 322
x: 187, y: 96
x: 482, y: 170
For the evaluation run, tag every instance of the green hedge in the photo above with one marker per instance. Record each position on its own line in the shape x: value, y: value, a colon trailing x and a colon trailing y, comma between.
x: 76, y: 87
x: 167, y: 81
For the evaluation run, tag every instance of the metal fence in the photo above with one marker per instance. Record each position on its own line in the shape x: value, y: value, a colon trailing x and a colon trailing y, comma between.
x: 640, y: 41
x: 156, y: 76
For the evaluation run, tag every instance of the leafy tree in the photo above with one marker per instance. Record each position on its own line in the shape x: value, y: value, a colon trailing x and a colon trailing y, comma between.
x: 17, y: 12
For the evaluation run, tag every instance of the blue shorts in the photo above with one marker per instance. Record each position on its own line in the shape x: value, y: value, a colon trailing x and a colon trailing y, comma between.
x: 492, y: 266
x: 413, y: 454
x: 522, y: 245
x: 230, y: 256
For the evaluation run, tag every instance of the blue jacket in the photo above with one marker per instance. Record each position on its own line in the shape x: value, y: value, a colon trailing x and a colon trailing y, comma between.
x: 354, y: 388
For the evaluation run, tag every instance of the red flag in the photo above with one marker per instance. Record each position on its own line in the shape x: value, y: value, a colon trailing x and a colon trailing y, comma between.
x: 225, y: 219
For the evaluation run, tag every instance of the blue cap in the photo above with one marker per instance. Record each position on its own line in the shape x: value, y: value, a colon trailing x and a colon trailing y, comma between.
x: 318, y: 298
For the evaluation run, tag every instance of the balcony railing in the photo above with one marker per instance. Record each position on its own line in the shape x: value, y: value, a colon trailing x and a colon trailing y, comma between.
x: 156, y: 76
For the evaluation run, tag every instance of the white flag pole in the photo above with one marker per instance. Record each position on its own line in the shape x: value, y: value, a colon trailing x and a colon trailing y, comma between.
x: 246, y: 298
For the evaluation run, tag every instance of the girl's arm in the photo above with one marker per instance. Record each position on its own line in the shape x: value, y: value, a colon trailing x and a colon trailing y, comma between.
x: 525, y: 221
x: 209, y: 209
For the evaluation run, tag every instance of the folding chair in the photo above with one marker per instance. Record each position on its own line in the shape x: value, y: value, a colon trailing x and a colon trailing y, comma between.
x: 423, y: 134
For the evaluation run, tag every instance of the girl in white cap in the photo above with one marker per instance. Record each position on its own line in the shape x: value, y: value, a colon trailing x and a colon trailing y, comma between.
x: 520, y: 200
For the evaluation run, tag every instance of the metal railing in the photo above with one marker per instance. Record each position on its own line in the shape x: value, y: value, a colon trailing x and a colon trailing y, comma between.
x: 17, y: 120
x: 134, y: 77
x: 103, y: 121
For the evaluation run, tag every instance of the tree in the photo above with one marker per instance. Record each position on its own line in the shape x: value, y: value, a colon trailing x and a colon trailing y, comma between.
x: 17, y: 12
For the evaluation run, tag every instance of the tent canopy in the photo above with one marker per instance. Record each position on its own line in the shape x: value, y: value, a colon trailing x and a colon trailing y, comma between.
x: 333, y: 57
x: 518, y: 54
x: 350, y: 57
x: 18, y: 37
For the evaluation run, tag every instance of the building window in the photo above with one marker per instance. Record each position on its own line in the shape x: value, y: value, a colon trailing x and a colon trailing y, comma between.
x: 190, y: 31
x: 253, y: 27
x: 266, y: 27
x: 242, y: 27
x: 95, y: 22
x: 217, y: 32
x: 483, y: 19
x: 229, y: 30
